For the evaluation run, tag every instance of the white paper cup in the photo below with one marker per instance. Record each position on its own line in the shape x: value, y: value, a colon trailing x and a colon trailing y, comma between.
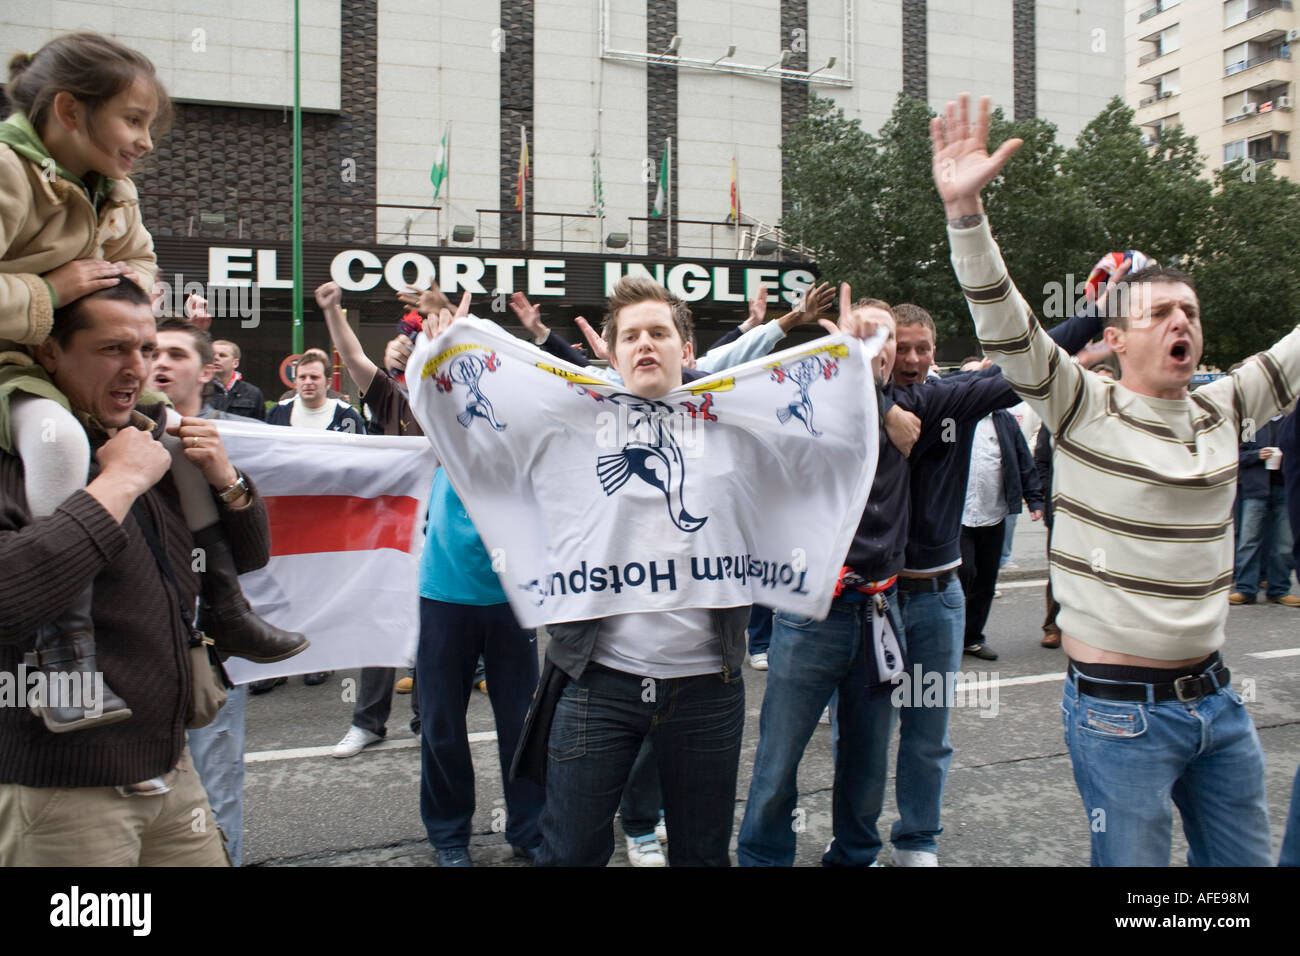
x: 1274, y: 461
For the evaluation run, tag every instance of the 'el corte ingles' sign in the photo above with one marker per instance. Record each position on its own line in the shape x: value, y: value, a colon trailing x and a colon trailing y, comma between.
x: 581, y: 276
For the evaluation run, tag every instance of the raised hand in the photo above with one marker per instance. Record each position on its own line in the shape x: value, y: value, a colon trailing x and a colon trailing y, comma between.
x: 594, y: 339
x: 529, y: 316
x: 329, y: 295
x: 758, y: 307
x: 815, y: 300
x: 427, y: 302
x: 962, y: 164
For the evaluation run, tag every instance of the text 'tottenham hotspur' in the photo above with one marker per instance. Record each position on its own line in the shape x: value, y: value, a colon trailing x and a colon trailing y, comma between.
x: 663, y: 575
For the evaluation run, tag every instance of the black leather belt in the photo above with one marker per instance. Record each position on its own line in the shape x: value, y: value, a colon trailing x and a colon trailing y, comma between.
x: 926, y: 584
x: 1187, y: 688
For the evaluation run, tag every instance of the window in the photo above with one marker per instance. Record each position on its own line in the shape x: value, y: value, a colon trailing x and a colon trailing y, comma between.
x: 1234, y: 151
x: 1234, y: 58
x: 1234, y: 12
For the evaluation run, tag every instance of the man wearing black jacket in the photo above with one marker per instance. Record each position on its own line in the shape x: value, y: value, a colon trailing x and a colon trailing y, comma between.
x: 231, y: 391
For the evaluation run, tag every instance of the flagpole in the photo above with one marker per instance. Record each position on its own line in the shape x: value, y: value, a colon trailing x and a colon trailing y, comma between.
x: 297, y: 193
x: 668, y: 192
x: 735, y: 191
x: 523, y: 185
x: 446, y: 158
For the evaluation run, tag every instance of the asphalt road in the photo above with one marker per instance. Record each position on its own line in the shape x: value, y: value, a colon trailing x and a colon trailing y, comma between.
x: 1010, y: 798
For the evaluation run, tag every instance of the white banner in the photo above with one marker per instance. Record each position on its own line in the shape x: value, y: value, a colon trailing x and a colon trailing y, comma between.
x: 743, y: 487
x: 347, y: 519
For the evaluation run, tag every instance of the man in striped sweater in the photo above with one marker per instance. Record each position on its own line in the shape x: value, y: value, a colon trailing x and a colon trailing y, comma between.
x: 1141, y: 554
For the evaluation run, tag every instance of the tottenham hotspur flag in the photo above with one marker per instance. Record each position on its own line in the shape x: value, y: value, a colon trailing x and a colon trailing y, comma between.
x: 741, y: 488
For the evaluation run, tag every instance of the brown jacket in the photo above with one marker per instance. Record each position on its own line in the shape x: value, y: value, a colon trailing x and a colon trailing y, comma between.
x: 140, y: 637
x: 44, y: 225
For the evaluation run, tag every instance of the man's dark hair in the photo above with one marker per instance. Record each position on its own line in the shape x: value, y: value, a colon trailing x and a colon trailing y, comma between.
x: 1116, y: 308
x: 202, y: 340
x: 72, y: 318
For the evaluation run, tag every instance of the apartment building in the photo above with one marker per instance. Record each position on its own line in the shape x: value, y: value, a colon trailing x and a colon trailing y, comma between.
x: 1222, y: 69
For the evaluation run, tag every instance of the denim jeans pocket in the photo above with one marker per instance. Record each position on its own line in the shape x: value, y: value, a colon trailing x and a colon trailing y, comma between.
x: 797, y: 621
x: 569, y: 727
x: 953, y: 599
x: 1117, y: 722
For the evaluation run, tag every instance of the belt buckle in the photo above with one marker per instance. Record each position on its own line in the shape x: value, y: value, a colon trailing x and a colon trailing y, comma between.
x: 1180, y: 683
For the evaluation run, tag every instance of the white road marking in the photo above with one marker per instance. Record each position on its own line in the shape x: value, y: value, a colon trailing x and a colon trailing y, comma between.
x: 1034, y: 583
x: 1284, y: 652
x: 1013, y: 681
x: 298, y: 753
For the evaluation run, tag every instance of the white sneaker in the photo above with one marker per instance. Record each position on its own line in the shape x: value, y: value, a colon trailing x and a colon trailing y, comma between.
x: 645, y: 851
x: 758, y: 662
x: 354, y: 741
x: 825, y: 718
x: 915, y: 858
x: 661, y: 831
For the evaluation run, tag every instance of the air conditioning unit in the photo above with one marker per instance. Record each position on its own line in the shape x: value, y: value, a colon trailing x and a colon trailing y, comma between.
x: 1148, y: 139
x: 1292, y: 36
x: 1283, y: 103
x: 1247, y: 108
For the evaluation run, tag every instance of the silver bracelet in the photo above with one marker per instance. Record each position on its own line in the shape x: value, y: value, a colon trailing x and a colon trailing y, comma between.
x: 966, y: 222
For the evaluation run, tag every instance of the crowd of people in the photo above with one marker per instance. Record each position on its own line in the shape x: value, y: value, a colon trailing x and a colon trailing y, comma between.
x: 112, y: 470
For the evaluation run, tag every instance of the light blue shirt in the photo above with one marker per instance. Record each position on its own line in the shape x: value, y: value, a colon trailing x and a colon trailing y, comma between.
x: 455, y: 568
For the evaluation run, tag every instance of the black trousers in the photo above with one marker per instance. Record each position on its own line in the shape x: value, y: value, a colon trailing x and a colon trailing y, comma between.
x: 981, y: 551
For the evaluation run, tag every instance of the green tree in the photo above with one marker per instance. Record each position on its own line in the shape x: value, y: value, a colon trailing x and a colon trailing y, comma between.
x: 1247, y: 267
x: 1154, y: 200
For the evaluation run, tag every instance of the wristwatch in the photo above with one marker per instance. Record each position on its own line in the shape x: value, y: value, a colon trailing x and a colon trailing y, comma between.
x: 234, y: 491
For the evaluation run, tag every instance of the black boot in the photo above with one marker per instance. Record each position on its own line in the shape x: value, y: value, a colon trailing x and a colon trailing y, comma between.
x: 65, y: 650
x: 225, y: 615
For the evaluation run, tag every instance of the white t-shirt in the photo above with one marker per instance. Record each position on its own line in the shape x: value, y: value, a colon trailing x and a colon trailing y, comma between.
x: 660, y: 644
x: 986, y: 499
x: 303, y: 417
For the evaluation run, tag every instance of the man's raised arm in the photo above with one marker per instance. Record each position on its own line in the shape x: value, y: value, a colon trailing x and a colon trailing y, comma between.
x: 1035, y: 366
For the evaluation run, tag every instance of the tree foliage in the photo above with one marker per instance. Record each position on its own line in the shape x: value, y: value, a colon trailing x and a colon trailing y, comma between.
x: 866, y: 204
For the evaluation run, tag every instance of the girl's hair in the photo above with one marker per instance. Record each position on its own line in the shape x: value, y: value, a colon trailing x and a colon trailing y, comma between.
x: 91, y: 67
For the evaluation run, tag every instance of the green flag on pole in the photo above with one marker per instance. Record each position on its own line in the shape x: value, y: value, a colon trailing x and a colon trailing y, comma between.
x: 661, y: 194
x: 439, y: 171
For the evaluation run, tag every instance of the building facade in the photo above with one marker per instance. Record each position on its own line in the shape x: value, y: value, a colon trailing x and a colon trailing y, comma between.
x: 610, y: 96
x: 1221, y: 70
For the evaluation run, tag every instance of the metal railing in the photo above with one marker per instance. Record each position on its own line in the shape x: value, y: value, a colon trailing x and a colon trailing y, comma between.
x: 1155, y: 98
x: 1243, y: 65
x: 1150, y: 12
x: 1266, y: 7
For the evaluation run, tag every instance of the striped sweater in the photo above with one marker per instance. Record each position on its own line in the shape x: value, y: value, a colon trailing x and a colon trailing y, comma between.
x: 1141, y: 555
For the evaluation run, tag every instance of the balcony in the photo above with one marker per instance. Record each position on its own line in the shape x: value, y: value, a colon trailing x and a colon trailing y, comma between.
x: 1150, y: 12
x: 1156, y: 98
x: 1242, y: 65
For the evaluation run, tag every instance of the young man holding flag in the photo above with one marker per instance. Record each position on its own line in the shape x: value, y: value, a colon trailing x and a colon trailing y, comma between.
x: 672, y: 673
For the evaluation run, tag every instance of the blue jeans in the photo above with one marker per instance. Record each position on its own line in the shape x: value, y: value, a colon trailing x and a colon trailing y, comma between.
x: 760, y: 629
x: 808, y: 661
x: 1008, y: 536
x: 1130, y: 758
x: 1290, y: 855
x: 642, y: 797
x: 218, y: 753
x: 601, y: 721
x: 452, y: 636
x: 1264, y: 538
x: 934, y: 622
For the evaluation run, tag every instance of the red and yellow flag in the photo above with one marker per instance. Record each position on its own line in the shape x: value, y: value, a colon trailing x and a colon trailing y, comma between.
x: 523, y: 168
